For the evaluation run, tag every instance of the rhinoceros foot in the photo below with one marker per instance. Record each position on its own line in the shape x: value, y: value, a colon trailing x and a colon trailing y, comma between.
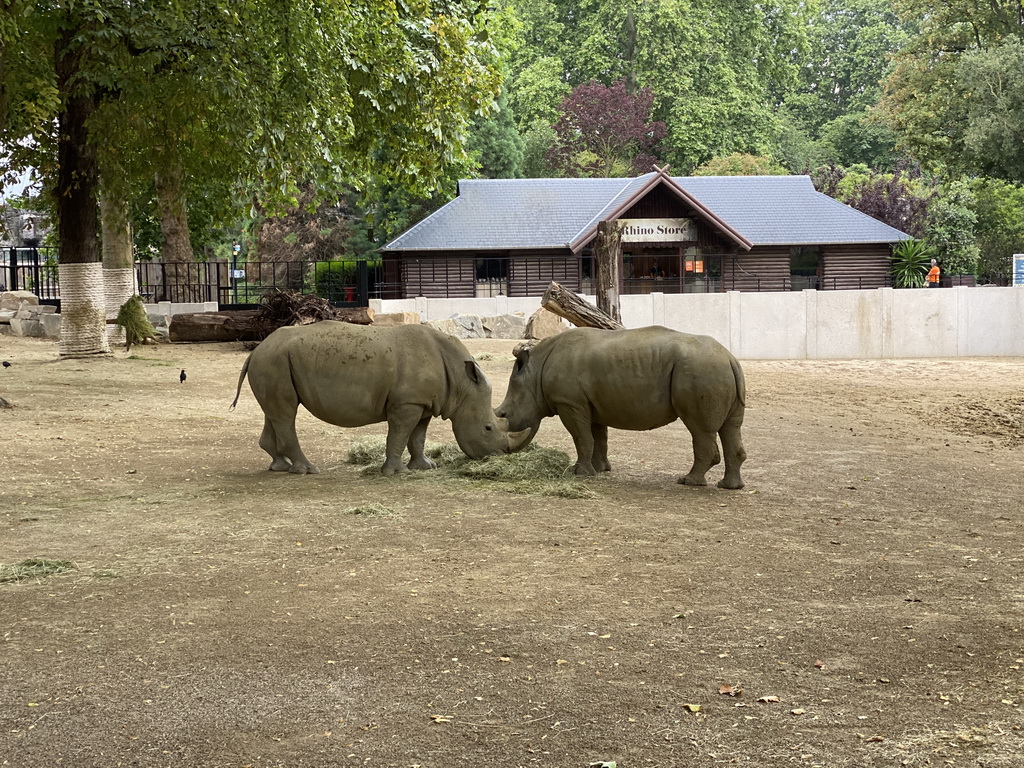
x: 732, y: 485
x: 280, y: 464
x: 298, y: 468
x: 584, y: 469
x: 692, y: 479
x: 423, y: 463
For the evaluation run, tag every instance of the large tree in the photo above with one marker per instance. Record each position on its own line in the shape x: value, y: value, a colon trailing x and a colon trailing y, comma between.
x: 273, y: 94
x: 931, y: 98
x: 606, y: 131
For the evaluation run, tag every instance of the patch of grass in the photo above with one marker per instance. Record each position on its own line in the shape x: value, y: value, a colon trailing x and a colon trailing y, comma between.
x: 484, y: 356
x: 374, y: 510
x: 106, y: 573
x: 369, y: 450
x: 34, y: 568
x: 530, y: 464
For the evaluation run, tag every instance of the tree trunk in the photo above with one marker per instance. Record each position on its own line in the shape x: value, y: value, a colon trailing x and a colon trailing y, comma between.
x: 170, y: 191
x: 83, y: 328
x: 576, y: 310
x: 118, y: 260
x: 608, y: 257
x: 183, y: 279
x: 242, y: 324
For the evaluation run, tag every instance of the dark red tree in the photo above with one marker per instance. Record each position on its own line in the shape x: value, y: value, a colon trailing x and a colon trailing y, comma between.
x: 606, y: 131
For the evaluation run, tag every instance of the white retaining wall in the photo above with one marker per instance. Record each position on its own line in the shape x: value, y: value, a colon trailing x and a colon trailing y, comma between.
x: 879, y: 323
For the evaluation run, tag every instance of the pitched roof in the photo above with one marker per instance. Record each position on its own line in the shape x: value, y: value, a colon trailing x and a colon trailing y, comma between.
x: 506, y: 214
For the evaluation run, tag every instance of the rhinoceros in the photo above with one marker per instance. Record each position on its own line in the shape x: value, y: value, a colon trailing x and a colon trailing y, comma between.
x: 632, y: 379
x: 351, y: 375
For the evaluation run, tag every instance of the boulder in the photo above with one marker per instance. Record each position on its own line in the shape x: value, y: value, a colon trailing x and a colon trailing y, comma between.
x: 544, y: 323
x: 391, y: 319
x: 29, y: 311
x: 447, y: 326
x: 468, y: 327
x: 27, y: 327
x: 504, y: 326
x: 13, y: 299
x: 51, y: 325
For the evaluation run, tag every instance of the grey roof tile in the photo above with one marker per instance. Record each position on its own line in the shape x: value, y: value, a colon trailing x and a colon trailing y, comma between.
x: 504, y: 214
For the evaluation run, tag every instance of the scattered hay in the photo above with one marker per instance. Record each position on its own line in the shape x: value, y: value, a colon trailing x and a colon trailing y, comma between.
x: 34, y: 568
x: 374, y: 510
x: 531, y: 464
x: 367, y: 451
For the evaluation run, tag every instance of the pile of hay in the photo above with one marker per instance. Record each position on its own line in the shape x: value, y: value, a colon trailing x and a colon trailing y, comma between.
x: 533, y: 471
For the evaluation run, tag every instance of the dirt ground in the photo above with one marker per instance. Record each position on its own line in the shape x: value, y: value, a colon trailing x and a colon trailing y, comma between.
x: 859, y: 603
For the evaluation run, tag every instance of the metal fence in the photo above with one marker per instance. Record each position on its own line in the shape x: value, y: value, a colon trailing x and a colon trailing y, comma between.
x: 31, y: 269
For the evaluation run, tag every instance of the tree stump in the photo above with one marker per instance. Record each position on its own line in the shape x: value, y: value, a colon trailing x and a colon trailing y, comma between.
x: 608, y: 257
x: 576, y: 310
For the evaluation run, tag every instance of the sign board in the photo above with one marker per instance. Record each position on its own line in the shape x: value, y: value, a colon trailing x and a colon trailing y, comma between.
x: 1018, y: 269
x: 238, y: 274
x: 658, y: 230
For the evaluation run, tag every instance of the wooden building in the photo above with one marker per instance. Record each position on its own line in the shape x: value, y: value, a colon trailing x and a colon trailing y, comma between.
x: 680, y: 234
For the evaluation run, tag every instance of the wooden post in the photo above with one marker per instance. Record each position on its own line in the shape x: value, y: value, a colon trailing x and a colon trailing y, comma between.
x: 576, y: 310
x: 608, y: 257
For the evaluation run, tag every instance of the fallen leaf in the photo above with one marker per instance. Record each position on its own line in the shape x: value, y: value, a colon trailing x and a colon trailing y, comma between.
x: 769, y: 700
x: 819, y: 664
x: 729, y: 690
x: 695, y: 708
x: 441, y: 718
x: 797, y: 711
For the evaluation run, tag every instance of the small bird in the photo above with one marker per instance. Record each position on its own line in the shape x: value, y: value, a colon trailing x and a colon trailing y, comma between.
x: 6, y: 364
x: 182, y: 377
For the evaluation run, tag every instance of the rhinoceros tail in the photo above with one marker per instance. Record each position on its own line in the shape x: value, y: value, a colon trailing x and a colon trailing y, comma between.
x: 741, y: 384
x: 241, y: 378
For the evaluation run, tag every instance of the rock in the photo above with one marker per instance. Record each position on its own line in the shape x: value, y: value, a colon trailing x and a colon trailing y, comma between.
x: 504, y: 326
x: 468, y: 327
x: 25, y: 327
x: 51, y: 325
x: 447, y: 326
x: 29, y: 311
x: 391, y: 319
x: 13, y: 299
x: 544, y: 323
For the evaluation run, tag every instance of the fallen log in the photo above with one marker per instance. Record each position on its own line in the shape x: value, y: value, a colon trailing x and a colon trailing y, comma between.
x: 242, y: 324
x: 577, y: 310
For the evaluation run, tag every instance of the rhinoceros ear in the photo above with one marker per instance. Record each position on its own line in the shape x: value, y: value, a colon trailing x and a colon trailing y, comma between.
x: 522, y: 358
x: 474, y: 372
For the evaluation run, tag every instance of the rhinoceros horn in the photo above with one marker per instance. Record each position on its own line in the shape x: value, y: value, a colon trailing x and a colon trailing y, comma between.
x: 516, y: 440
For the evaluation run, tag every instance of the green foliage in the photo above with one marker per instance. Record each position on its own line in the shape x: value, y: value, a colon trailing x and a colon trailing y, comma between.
x: 951, y: 229
x: 495, y: 143
x: 999, y: 207
x: 994, y: 78
x: 910, y: 262
x: 739, y: 164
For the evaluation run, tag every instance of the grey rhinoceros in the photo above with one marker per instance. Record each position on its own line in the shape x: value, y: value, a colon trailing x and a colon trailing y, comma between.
x: 632, y: 379
x: 351, y: 375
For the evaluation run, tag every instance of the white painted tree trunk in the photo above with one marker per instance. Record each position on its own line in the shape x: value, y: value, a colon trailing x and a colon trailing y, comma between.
x: 83, y: 317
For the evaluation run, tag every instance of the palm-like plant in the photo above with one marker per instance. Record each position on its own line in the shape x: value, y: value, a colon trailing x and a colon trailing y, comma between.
x: 910, y: 260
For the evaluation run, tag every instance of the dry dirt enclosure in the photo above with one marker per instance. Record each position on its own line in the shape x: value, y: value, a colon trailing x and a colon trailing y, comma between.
x: 859, y: 603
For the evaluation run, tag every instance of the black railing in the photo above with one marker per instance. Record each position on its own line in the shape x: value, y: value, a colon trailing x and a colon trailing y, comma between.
x: 31, y: 269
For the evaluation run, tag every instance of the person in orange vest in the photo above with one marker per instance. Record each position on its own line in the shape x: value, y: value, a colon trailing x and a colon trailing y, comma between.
x: 933, y: 275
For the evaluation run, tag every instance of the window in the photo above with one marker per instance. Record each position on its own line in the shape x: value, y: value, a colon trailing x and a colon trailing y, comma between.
x: 804, y: 262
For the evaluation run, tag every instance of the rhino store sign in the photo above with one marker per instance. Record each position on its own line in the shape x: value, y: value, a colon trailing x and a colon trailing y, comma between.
x: 658, y: 230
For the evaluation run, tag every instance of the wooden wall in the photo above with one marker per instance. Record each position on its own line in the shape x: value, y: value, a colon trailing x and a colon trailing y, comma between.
x: 856, y: 266
x: 763, y: 268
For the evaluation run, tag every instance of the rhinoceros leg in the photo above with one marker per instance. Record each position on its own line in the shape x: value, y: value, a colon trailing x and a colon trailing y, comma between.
x: 578, y: 423
x: 418, y: 459
x: 403, y: 420
x: 600, y: 460
x: 735, y: 455
x: 268, y: 442
x: 705, y: 456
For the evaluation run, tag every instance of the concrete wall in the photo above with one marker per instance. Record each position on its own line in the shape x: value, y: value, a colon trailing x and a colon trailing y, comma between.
x: 879, y: 323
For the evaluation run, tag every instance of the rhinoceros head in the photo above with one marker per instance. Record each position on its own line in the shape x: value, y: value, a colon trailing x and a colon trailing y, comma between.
x: 478, y: 431
x: 521, y: 407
